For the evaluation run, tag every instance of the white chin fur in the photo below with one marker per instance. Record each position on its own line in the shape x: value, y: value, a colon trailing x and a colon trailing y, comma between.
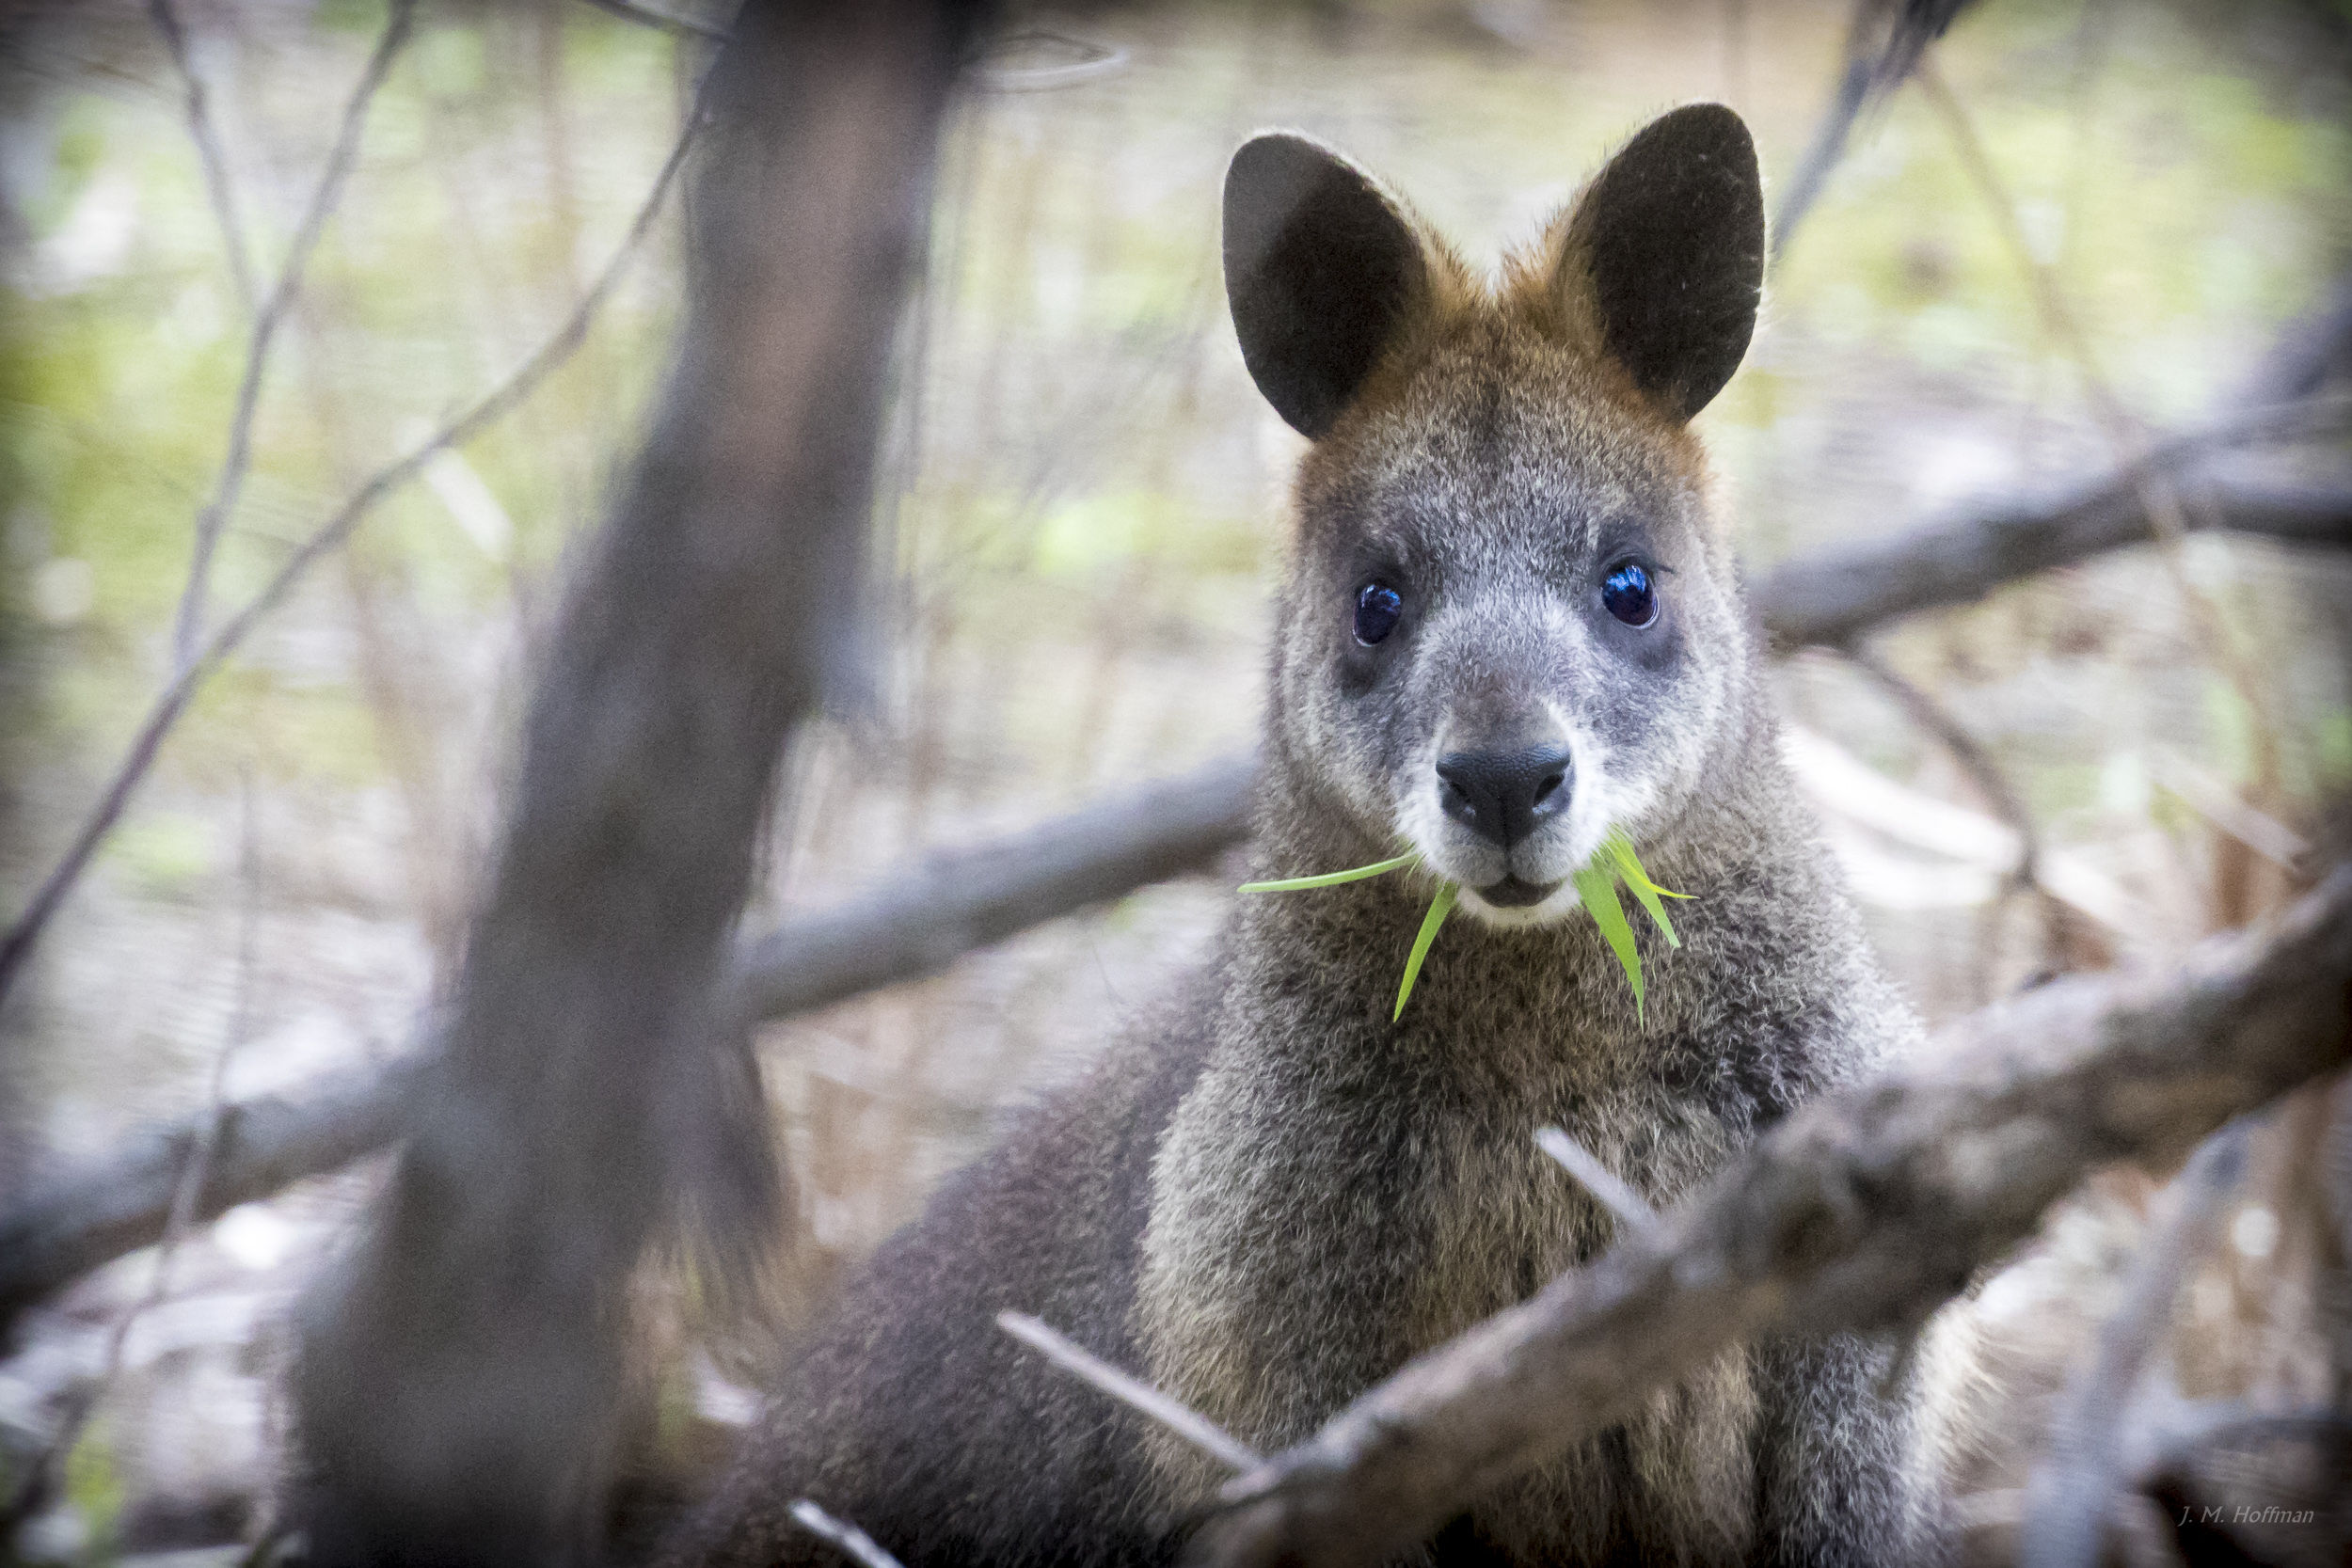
x: 1557, y: 906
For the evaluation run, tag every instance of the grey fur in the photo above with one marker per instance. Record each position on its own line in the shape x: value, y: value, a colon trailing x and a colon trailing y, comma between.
x: 1272, y: 1199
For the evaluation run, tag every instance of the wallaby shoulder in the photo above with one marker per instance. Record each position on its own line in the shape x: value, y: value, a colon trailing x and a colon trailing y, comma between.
x: 914, y: 1415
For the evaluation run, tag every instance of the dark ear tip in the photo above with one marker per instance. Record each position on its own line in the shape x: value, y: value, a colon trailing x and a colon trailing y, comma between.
x: 1720, y: 119
x: 1272, y: 148
x: 1277, y: 164
x: 1702, y: 129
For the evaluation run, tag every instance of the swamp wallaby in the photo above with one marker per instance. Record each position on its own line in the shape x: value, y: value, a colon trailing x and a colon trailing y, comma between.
x: 1510, y: 623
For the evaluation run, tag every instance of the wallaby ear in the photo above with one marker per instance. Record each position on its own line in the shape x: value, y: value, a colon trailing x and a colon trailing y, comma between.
x: 1320, y: 269
x: 1669, y: 238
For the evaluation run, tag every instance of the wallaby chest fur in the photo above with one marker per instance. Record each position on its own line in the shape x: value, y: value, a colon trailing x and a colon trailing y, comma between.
x: 1510, y: 625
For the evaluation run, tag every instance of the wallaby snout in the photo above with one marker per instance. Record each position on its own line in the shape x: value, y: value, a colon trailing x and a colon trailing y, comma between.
x: 1504, y: 796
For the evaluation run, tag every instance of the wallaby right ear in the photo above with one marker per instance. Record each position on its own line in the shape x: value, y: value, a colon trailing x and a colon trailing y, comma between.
x: 1669, y: 241
x: 1320, y: 269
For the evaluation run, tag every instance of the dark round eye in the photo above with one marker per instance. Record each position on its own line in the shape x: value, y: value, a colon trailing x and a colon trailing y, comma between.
x: 1377, y: 606
x: 1626, y: 593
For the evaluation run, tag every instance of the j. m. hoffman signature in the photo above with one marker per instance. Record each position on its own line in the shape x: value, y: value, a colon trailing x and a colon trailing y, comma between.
x: 2221, y: 1514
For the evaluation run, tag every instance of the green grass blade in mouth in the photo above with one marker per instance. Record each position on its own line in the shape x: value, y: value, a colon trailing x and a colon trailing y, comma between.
x: 1439, y: 909
x: 1644, y: 890
x: 1595, y: 886
x: 1648, y: 897
x: 1620, y: 848
x: 1333, y: 878
x: 1599, y: 890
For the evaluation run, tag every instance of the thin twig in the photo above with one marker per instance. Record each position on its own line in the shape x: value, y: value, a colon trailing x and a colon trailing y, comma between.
x: 189, y: 623
x: 327, y: 537
x: 1093, y: 61
x: 1178, y: 1417
x: 1992, y: 780
x: 1804, y: 187
x: 194, y: 1173
x: 2126, y: 436
x: 861, y: 1547
x: 2219, y: 804
x: 1629, y: 1208
x: 669, y: 22
x: 1875, y: 67
x: 2068, y: 1499
x: 209, y: 153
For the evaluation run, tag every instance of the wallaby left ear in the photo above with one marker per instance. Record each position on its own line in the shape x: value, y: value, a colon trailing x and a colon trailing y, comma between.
x: 1322, y: 271
x: 1669, y: 241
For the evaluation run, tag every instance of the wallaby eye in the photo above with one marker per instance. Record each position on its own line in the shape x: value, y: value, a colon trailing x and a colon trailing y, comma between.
x: 1626, y: 593
x: 1377, y: 606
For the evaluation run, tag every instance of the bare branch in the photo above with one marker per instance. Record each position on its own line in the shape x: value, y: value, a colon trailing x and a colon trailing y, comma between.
x: 2069, y: 1499
x: 329, y: 536
x: 1965, y: 748
x: 1081, y: 61
x: 1863, y: 1209
x: 2300, y: 363
x: 1179, y: 1417
x: 1629, y: 1208
x: 89, y: 1219
x: 1833, y: 596
x: 918, y: 925
x: 2220, y: 804
x: 915, y: 923
x: 1991, y: 782
x: 918, y: 921
x: 209, y: 153
x: 851, y: 1540
x: 189, y: 624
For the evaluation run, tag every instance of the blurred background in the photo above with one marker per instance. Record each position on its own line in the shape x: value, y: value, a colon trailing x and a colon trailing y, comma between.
x: 1080, y: 524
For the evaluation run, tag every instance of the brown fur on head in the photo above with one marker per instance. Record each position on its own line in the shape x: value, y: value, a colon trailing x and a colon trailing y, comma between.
x: 1488, y: 465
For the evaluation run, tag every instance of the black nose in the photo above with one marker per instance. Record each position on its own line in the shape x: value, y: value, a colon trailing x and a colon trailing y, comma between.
x: 1503, y: 796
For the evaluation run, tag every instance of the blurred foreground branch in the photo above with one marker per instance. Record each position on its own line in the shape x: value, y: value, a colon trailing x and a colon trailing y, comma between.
x: 918, y: 923
x: 462, y: 1388
x: 1868, y: 1208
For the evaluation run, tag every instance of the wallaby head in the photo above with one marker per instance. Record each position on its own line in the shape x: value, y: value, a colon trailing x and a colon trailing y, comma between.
x: 1510, y: 623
